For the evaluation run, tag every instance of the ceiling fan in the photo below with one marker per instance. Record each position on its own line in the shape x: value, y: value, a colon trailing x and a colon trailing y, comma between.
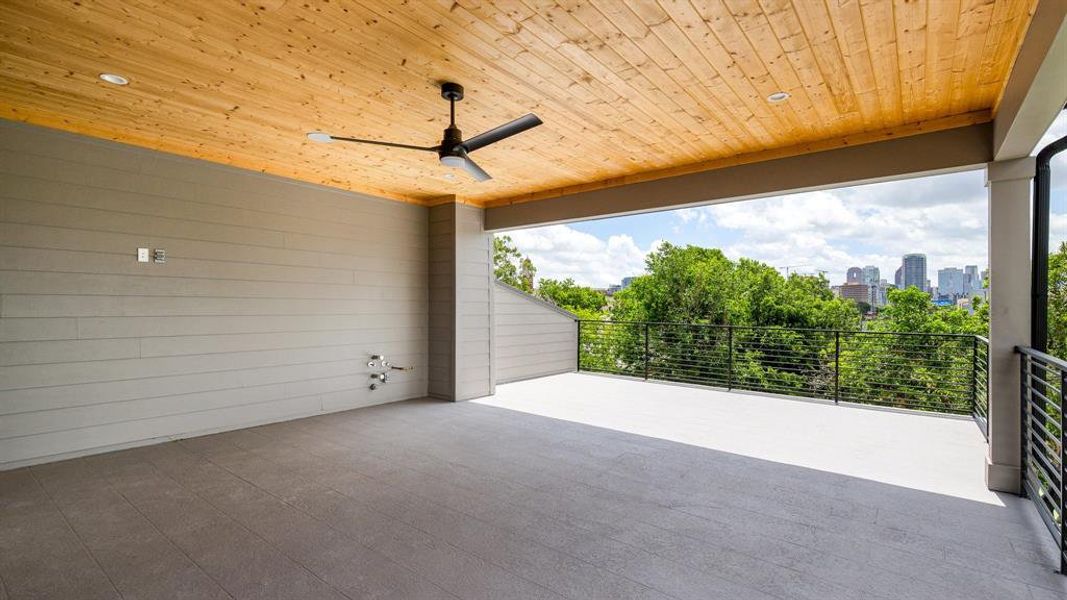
x: 453, y: 151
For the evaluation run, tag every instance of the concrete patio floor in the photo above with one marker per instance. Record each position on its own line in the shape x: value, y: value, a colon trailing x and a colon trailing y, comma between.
x: 574, y: 486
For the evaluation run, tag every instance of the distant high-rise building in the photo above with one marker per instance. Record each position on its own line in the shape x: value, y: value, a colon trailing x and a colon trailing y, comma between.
x: 898, y: 278
x: 871, y: 275
x: 858, y: 292
x: 952, y: 283
x: 914, y: 266
x: 973, y: 281
x: 883, y: 292
x: 854, y: 275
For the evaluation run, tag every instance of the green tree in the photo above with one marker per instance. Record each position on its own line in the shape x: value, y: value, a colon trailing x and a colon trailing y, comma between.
x: 570, y: 296
x: 527, y: 273
x: 690, y: 293
x: 1057, y: 302
x: 910, y: 369
x: 700, y: 285
x: 911, y: 310
x: 511, y: 266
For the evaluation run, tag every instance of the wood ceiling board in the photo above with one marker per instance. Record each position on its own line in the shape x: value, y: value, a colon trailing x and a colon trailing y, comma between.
x: 628, y: 90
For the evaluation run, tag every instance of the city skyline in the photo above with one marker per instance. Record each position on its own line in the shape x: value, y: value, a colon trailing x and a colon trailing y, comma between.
x: 864, y: 284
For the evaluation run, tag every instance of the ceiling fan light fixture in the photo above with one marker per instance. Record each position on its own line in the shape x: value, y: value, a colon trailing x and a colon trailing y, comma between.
x: 456, y: 162
x: 320, y: 137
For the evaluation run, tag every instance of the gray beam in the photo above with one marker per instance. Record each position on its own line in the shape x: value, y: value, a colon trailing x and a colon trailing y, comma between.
x: 1037, y: 88
x: 923, y: 154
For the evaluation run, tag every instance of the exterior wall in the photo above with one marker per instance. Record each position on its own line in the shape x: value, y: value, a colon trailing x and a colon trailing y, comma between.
x: 272, y: 296
x: 461, y: 299
x: 533, y: 338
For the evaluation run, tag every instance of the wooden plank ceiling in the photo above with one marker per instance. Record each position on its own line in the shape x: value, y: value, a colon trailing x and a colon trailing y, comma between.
x: 627, y: 90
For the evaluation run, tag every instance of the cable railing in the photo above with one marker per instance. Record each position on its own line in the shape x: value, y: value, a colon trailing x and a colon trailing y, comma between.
x: 924, y: 371
x: 1044, y: 380
x: 981, y: 384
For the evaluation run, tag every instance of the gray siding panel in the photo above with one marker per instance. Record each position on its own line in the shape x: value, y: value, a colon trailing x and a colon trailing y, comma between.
x: 442, y: 322
x: 273, y: 295
x: 461, y: 303
x: 532, y: 339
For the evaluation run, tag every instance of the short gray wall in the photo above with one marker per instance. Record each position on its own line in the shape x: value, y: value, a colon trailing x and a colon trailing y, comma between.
x: 273, y: 295
x: 533, y: 337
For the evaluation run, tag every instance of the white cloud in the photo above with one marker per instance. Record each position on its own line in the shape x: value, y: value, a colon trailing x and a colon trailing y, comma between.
x: 560, y: 251
x: 944, y: 217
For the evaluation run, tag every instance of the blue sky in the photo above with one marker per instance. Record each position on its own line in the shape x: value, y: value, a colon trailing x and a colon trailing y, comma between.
x: 944, y: 217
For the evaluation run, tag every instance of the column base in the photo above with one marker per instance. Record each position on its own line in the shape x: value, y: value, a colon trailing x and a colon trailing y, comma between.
x: 1003, y: 478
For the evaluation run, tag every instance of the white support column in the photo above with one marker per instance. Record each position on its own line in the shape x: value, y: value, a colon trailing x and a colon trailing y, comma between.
x: 1009, y: 184
x: 461, y: 303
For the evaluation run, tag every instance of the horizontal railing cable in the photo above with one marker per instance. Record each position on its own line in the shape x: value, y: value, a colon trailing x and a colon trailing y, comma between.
x: 923, y: 371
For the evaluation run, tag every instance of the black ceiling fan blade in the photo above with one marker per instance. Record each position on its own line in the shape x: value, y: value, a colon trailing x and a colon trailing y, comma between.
x: 504, y: 131
x: 380, y: 143
x: 472, y: 167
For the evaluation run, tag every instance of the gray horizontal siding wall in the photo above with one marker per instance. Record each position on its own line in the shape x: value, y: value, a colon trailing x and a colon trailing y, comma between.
x: 273, y: 295
x: 533, y: 338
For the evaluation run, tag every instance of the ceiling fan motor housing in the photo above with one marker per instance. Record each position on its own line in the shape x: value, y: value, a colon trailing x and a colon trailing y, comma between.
x: 453, y: 137
x: 451, y: 91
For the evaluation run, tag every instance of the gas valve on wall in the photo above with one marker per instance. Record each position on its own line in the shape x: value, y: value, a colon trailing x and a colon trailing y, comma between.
x: 382, y: 368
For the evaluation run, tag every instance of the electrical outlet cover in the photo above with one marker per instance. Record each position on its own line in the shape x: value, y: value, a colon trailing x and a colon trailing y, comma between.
x: 142, y: 255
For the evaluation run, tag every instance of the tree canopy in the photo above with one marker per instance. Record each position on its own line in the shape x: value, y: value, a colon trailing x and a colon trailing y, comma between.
x: 1057, y: 302
x: 511, y: 266
x: 912, y: 310
x: 691, y: 284
x: 569, y: 295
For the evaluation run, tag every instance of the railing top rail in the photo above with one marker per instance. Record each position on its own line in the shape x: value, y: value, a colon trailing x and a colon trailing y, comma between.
x: 1047, y: 358
x: 781, y: 328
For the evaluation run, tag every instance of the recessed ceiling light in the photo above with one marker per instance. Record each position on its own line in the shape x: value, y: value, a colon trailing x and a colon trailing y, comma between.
x: 449, y: 176
x: 320, y: 137
x: 113, y: 78
x: 778, y: 97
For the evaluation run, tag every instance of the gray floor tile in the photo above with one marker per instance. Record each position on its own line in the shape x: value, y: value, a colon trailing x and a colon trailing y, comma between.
x: 470, y: 501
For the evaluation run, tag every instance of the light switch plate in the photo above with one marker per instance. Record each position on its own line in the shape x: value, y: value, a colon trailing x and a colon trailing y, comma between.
x: 142, y: 255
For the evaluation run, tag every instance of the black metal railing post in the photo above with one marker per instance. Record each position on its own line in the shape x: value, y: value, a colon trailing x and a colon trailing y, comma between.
x: 730, y: 359
x: 837, y: 367
x: 1063, y: 471
x: 1024, y: 416
x: 646, y: 351
x: 578, y: 354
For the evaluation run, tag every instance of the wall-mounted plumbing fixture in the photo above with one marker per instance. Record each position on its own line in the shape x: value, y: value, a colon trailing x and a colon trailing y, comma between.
x: 377, y: 361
